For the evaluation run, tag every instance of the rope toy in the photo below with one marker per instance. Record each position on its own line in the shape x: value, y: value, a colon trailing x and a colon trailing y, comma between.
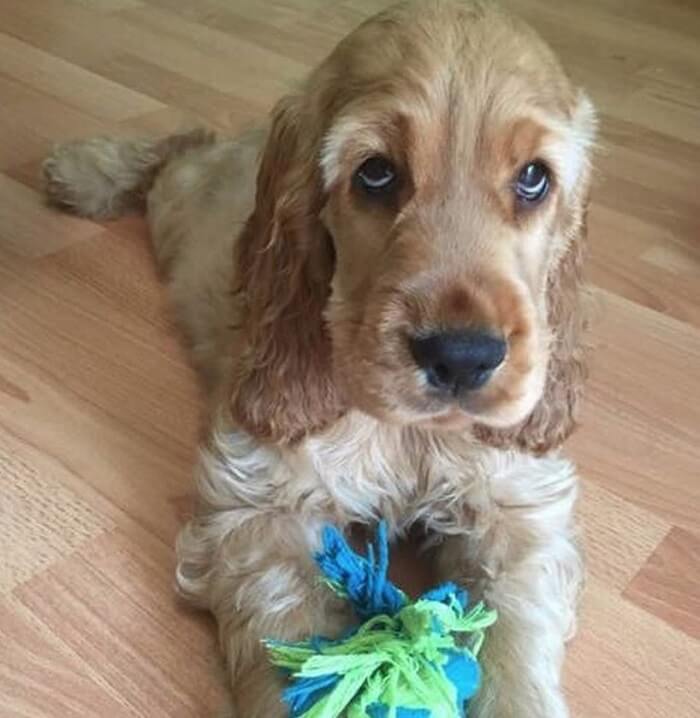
x: 406, y: 660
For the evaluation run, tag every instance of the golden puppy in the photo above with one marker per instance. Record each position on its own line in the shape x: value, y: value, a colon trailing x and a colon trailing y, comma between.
x: 388, y: 320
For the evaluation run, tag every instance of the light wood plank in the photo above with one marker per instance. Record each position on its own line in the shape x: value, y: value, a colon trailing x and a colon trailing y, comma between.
x: 30, y: 229
x: 71, y: 85
x: 41, y: 677
x: 669, y: 584
x: 41, y: 521
x: 640, y: 431
x: 93, y: 606
x: 626, y: 662
x: 619, y: 537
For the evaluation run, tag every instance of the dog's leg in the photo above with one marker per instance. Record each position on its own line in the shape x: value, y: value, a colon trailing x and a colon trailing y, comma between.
x: 260, y: 583
x: 521, y: 558
x: 250, y: 562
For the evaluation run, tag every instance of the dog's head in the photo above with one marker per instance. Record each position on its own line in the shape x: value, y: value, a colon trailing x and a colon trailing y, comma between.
x: 415, y: 246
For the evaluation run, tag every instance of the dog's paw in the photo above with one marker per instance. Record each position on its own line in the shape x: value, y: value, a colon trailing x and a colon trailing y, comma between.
x: 59, y: 181
x: 520, y: 709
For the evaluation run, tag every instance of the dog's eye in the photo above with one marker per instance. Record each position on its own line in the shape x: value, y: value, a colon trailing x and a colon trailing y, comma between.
x: 532, y: 183
x: 376, y: 175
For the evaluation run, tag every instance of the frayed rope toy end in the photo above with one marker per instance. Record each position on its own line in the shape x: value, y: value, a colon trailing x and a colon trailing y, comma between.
x: 407, y: 660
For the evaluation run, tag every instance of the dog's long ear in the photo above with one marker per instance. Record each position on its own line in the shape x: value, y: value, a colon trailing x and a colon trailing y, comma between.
x: 556, y: 414
x: 283, y: 386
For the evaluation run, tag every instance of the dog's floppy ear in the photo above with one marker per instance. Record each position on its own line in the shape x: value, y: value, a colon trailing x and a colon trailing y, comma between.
x: 283, y: 386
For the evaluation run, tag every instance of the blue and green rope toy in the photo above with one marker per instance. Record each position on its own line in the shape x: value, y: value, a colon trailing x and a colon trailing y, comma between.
x: 407, y: 660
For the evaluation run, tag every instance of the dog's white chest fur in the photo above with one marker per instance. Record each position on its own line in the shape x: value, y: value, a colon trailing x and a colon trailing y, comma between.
x: 362, y: 470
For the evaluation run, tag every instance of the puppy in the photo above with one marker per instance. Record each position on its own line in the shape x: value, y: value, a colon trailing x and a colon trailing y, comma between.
x: 382, y: 291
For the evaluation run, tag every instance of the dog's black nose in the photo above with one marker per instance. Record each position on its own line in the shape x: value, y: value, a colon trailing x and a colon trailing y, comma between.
x: 458, y: 361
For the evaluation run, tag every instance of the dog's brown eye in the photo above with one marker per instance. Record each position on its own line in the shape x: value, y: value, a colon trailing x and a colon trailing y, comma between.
x: 376, y: 175
x: 532, y: 183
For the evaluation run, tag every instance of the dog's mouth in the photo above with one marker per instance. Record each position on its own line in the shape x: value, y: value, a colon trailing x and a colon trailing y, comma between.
x: 402, y: 395
x: 504, y: 400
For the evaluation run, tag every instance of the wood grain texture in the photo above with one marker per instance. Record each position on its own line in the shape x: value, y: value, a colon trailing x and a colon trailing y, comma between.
x: 629, y: 663
x: 666, y: 587
x: 99, y: 411
x: 41, y: 521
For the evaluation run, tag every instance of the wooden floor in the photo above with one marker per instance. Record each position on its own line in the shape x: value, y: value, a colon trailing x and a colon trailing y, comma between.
x: 99, y: 412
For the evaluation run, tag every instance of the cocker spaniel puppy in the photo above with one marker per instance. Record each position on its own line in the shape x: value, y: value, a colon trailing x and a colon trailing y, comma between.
x: 382, y: 290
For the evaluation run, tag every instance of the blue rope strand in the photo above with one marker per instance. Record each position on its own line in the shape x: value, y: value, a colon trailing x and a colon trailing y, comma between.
x: 363, y: 579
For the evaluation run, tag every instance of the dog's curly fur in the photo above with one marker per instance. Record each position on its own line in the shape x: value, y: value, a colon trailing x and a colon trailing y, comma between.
x: 297, y: 294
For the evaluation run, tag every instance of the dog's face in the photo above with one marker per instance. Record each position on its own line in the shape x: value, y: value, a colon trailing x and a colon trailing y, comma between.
x: 450, y: 173
x: 445, y: 158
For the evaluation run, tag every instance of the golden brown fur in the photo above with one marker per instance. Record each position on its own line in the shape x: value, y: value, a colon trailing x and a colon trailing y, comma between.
x: 297, y: 295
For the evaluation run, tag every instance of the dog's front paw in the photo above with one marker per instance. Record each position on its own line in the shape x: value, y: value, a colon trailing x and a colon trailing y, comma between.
x: 258, y: 694
x: 519, y: 701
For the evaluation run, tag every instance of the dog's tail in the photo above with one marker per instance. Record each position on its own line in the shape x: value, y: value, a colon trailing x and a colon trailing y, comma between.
x: 105, y: 177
